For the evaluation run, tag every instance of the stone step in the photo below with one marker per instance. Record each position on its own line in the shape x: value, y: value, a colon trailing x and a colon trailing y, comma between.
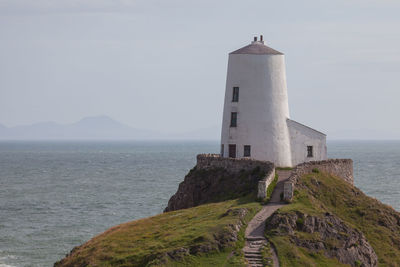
x: 258, y: 246
x: 252, y: 253
x: 251, y: 249
x: 257, y: 243
x: 253, y: 257
x: 256, y: 238
x: 256, y: 264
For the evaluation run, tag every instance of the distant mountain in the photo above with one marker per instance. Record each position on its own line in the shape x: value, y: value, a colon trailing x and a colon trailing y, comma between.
x: 90, y: 128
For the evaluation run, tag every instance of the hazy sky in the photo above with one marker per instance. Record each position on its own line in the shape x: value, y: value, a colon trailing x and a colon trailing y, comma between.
x: 161, y: 65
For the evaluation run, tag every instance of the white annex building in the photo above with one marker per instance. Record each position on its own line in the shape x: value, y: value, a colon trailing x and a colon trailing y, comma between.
x: 256, y: 121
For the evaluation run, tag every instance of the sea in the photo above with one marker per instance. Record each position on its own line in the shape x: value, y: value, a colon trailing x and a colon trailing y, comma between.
x: 56, y: 195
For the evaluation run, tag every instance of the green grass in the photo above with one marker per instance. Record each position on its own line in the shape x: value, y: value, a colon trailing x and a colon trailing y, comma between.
x: 270, y: 189
x: 272, y: 185
x: 267, y: 255
x: 145, y: 242
x: 319, y: 193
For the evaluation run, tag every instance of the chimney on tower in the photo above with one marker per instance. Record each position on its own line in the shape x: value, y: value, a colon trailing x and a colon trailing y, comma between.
x: 261, y: 39
x: 255, y: 38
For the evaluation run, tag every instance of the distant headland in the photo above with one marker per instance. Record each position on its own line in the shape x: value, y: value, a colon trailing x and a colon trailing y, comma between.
x: 99, y: 128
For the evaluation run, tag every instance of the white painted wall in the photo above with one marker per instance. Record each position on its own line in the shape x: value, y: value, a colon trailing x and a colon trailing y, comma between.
x: 263, y: 111
x: 262, y: 108
x: 302, y: 136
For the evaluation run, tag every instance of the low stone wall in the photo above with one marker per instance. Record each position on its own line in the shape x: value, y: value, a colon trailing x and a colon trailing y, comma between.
x: 341, y: 168
x: 211, y: 161
x: 264, y: 183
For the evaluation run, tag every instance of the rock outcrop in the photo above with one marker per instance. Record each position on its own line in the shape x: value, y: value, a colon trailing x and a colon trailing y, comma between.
x: 327, y: 234
x: 221, y: 240
x: 213, y: 185
x: 216, y: 179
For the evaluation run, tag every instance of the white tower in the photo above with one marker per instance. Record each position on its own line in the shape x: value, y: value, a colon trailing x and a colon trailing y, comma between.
x: 256, y: 105
x: 256, y: 111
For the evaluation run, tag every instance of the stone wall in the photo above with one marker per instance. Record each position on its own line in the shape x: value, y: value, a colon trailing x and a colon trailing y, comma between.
x: 341, y: 168
x: 212, y: 161
x: 264, y: 183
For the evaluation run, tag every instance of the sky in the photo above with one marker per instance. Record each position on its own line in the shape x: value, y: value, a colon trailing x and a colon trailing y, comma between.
x: 161, y: 65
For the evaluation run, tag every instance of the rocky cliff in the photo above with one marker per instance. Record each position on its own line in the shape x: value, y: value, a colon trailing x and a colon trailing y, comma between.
x: 216, y: 179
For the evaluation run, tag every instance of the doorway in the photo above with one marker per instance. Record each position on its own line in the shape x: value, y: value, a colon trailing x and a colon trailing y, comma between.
x: 232, y: 151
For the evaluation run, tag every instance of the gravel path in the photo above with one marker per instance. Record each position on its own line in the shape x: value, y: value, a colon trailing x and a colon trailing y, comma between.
x: 254, y: 233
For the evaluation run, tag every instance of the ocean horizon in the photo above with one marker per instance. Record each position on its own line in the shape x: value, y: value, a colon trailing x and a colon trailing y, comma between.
x: 55, y: 195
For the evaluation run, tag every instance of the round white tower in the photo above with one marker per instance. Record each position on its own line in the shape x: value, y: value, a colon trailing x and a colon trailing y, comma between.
x: 256, y: 106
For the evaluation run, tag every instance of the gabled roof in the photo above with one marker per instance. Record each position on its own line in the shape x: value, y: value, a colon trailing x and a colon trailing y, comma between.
x: 304, y: 126
x: 257, y: 48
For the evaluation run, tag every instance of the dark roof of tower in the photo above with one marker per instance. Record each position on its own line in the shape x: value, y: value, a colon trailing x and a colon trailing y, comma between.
x: 257, y: 48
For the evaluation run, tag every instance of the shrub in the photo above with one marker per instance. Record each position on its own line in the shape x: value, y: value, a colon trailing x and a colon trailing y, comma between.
x: 299, y: 222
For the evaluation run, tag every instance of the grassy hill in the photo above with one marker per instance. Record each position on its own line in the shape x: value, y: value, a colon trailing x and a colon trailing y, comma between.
x: 328, y: 223
x: 357, y: 219
x: 207, y: 235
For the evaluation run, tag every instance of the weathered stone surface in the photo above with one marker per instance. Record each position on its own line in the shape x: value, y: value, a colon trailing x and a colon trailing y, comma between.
x: 233, y: 165
x: 216, y: 179
x: 341, y: 168
x: 330, y: 235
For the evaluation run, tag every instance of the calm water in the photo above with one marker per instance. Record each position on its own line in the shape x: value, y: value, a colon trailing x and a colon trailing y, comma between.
x: 54, y: 196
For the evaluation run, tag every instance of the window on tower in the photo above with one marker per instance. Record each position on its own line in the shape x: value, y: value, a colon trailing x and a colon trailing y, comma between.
x: 235, y: 96
x: 310, y: 151
x: 246, y: 151
x: 233, y: 119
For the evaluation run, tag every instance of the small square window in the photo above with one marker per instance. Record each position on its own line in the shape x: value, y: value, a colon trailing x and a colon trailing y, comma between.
x: 310, y: 151
x: 233, y: 119
x: 246, y: 151
x: 235, y: 95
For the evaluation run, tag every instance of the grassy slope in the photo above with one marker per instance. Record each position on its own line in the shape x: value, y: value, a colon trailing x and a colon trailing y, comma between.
x: 143, y: 242
x: 379, y: 223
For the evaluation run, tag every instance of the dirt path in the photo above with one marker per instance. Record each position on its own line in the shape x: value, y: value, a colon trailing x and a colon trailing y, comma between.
x: 254, y: 233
